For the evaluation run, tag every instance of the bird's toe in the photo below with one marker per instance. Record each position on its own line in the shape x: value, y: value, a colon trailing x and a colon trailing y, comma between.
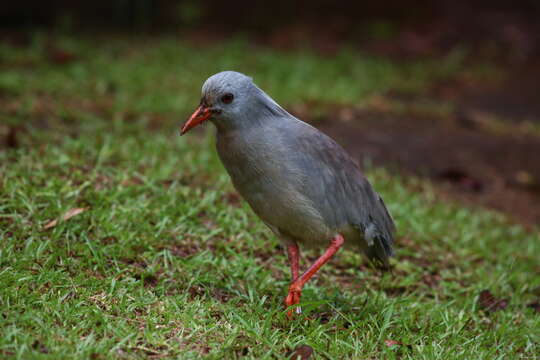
x: 293, y: 298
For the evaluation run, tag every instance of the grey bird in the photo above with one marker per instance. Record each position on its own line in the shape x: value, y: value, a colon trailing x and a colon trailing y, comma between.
x: 301, y: 183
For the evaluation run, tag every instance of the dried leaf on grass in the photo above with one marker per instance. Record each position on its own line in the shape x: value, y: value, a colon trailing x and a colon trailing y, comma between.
x: 302, y: 352
x: 394, y: 344
x: 490, y: 303
x: 68, y: 215
x: 390, y: 343
x: 535, y: 306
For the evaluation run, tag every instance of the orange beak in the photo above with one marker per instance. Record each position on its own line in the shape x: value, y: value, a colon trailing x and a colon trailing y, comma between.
x: 199, y: 116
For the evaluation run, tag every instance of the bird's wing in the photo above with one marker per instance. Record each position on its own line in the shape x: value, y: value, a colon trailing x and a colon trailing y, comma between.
x: 331, y: 177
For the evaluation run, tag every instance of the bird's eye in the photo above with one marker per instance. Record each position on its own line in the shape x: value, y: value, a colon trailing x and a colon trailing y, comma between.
x: 227, y: 98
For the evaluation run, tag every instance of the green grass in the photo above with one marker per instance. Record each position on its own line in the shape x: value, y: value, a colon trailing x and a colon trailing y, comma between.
x: 166, y: 75
x: 165, y: 262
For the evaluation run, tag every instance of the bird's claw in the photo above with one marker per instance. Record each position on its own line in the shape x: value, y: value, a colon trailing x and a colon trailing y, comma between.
x: 293, y: 298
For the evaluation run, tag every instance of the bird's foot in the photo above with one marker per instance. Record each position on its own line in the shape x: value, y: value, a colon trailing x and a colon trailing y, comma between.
x: 293, y: 298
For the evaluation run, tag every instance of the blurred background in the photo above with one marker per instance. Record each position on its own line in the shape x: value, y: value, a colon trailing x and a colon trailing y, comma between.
x: 438, y: 89
x: 121, y: 239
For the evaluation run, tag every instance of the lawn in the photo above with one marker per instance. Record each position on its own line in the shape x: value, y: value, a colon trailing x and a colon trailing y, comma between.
x: 161, y: 258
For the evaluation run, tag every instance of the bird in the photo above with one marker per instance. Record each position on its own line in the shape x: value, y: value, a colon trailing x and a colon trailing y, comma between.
x: 301, y: 183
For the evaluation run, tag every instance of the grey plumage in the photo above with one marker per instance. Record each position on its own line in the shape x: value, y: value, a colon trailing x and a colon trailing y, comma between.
x: 299, y: 181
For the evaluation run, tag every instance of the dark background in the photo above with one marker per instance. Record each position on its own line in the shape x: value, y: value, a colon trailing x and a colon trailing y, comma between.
x: 508, y: 29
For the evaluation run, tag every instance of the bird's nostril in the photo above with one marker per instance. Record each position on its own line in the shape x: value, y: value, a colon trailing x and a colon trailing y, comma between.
x: 204, y: 102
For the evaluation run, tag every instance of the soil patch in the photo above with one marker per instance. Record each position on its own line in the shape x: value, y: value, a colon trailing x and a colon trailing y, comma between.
x: 496, y: 169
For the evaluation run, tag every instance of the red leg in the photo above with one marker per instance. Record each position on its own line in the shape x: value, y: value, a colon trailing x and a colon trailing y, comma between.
x: 294, y: 254
x: 295, y: 289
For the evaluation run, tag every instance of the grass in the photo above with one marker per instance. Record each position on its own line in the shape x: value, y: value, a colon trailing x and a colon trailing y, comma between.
x: 166, y: 262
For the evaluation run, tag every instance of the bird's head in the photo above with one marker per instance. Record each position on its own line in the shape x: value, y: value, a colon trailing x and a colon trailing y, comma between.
x: 226, y: 96
x: 231, y: 100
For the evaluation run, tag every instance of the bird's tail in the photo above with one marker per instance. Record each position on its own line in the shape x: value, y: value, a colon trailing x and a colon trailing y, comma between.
x: 379, y: 252
x: 380, y: 236
x: 377, y: 246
